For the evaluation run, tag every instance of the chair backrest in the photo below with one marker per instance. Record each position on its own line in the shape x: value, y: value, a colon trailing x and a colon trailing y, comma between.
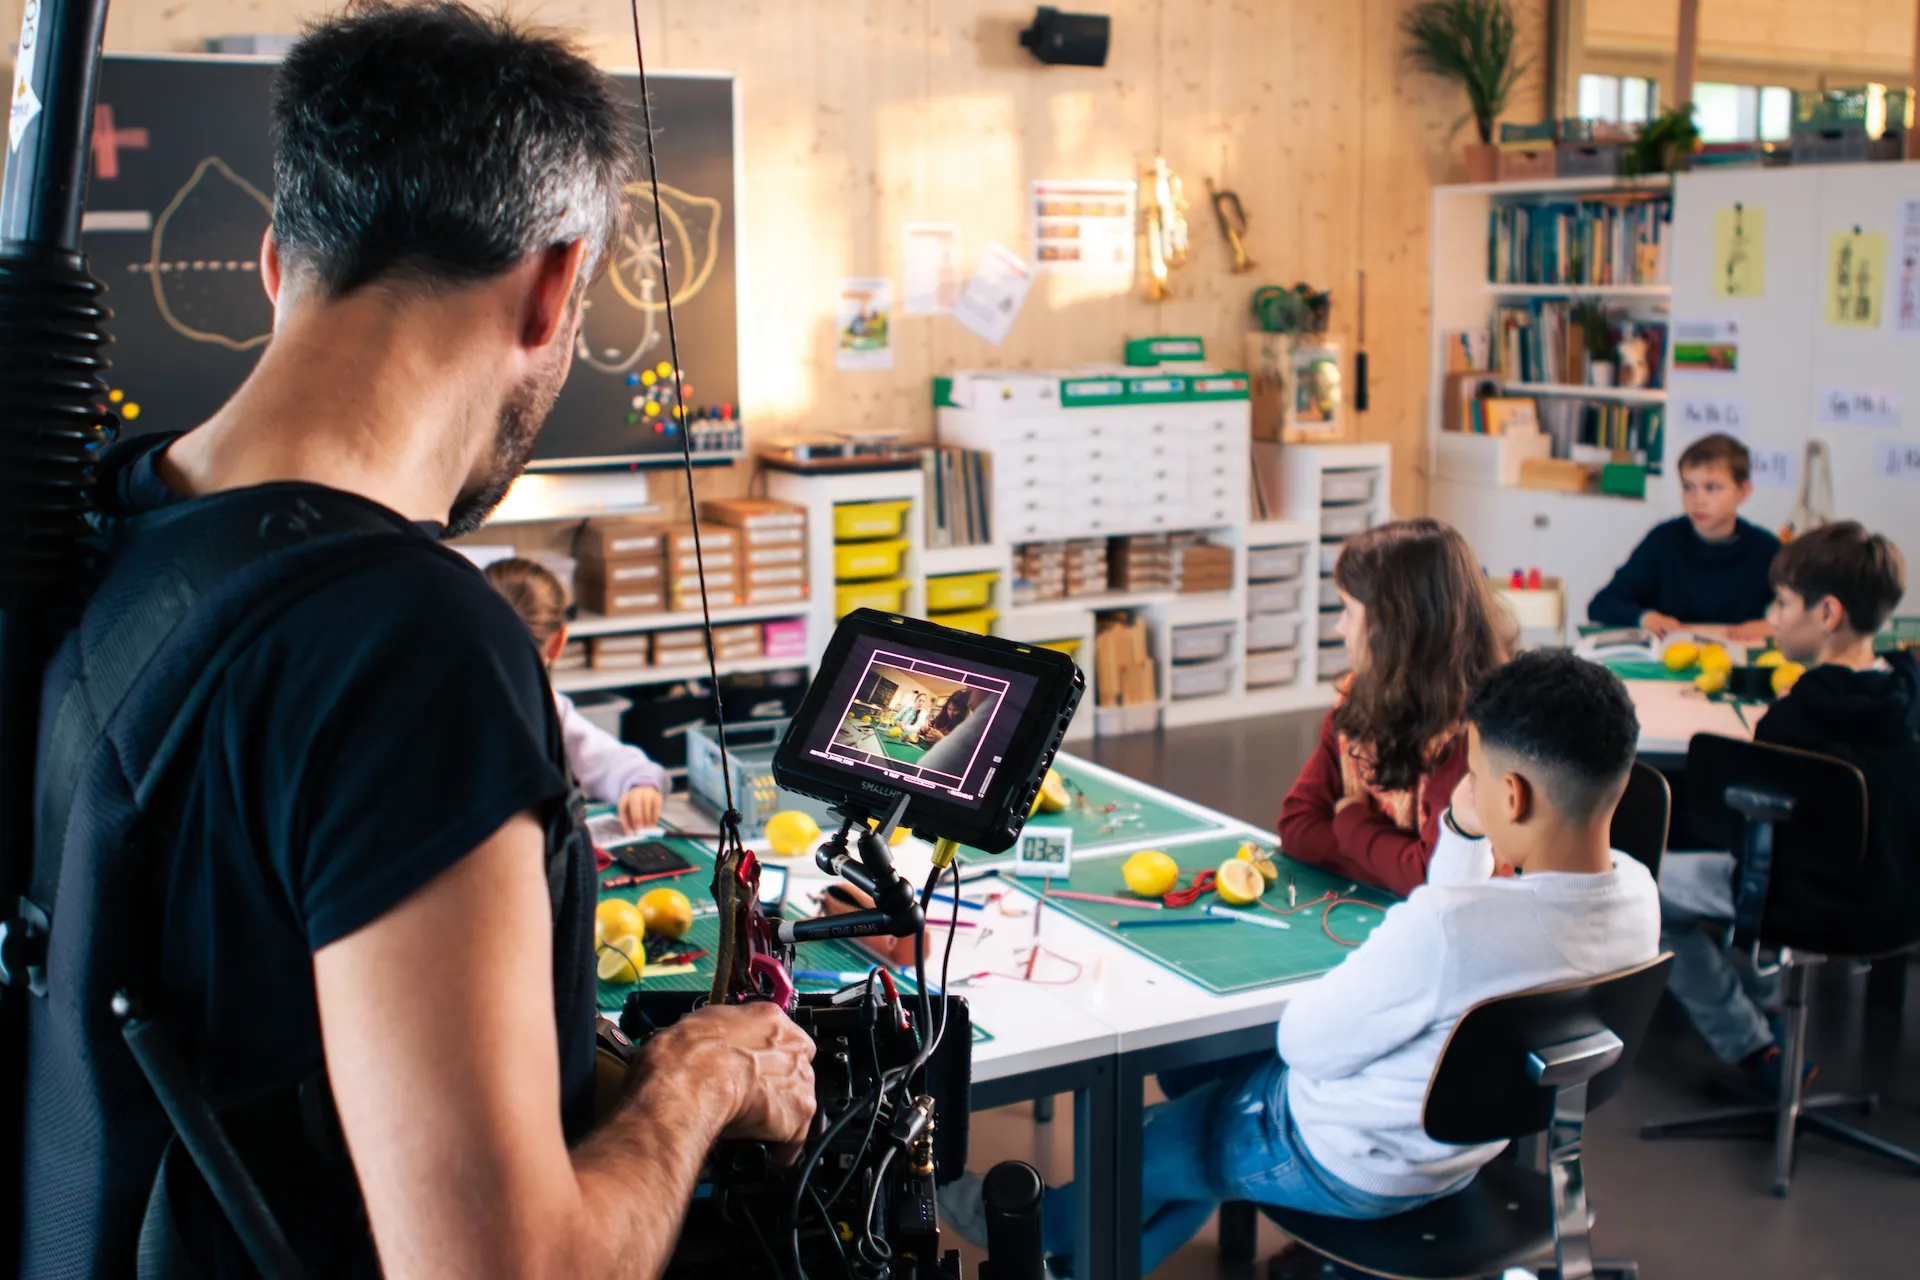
x: 1817, y: 807
x: 1497, y: 1075
x: 1640, y: 820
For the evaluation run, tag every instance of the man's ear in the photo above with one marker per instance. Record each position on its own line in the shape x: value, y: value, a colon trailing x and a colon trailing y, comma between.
x: 1830, y: 614
x: 270, y: 266
x: 1517, y: 794
x: 556, y: 270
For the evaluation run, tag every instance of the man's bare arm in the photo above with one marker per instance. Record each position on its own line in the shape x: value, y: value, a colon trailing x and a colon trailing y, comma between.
x: 438, y: 1024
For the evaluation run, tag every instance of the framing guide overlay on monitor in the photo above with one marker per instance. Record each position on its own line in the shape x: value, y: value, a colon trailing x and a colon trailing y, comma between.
x: 965, y: 725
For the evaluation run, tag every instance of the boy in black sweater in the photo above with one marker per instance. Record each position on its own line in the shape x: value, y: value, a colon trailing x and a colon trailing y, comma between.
x: 1707, y: 567
x: 1833, y: 588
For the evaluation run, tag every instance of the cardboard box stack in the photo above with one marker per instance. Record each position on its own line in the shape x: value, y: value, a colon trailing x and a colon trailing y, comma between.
x: 719, y: 547
x: 681, y: 647
x: 772, y: 547
x: 621, y: 570
x: 1201, y: 566
x: 573, y: 656
x: 1039, y: 572
x: 1123, y: 672
x: 1087, y: 567
x: 742, y: 640
x: 786, y: 638
x: 618, y: 653
x: 1142, y: 562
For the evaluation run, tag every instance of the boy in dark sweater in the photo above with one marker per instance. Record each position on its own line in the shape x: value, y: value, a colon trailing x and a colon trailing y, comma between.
x: 1833, y: 588
x: 1707, y: 567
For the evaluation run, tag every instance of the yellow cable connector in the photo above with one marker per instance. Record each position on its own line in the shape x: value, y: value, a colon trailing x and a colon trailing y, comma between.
x: 944, y: 851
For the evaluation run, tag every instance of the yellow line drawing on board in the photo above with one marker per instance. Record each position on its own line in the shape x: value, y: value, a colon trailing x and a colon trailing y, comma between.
x: 636, y: 264
x: 158, y: 266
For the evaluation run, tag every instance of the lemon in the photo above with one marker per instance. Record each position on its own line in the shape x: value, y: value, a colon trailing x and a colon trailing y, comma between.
x: 1239, y: 883
x: 1680, y: 655
x: 790, y: 831
x: 617, y: 918
x: 1261, y: 858
x: 1771, y: 658
x: 1784, y: 676
x: 900, y: 833
x: 1150, y: 873
x: 1710, y: 681
x: 622, y: 960
x: 1053, y: 796
x: 667, y: 912
x: 1715, y: 658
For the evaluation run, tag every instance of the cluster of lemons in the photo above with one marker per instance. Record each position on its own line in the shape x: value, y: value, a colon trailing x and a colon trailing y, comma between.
x: 1240, y: 880
x: 620, y: 930
x: 1715, y: 666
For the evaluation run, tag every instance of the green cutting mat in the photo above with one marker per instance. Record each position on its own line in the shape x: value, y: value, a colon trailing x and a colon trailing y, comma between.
x: 1630, y: 670
x: 1227, y: 958
x: 830, y: 956
x: 906, y: 752
x: 1139, y: 816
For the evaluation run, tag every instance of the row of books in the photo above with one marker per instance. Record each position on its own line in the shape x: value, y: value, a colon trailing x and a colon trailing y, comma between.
x: 1585, y: 242
x: 1544, y: 342
x: 1629, y: 432
x: 959, y: 483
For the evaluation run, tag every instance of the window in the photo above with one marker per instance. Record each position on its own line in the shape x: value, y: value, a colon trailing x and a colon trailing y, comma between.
x: 1742, y: 112
x: 1776, y: 113
x: 1618, y: 99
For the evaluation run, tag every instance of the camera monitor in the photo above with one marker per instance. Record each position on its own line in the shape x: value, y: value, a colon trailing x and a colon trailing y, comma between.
x: 965, y: 725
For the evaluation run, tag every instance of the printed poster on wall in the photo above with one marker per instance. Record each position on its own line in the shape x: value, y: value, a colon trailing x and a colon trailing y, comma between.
x: 1083, y: 226
x: 1740, y: 252
x: 1706, y: 346
x: 929, y: 267
x: 1856, y: 274
x: 863, y: 319
x: 1709, y: 415
x: 993, y: 297
x: 1906, y: 279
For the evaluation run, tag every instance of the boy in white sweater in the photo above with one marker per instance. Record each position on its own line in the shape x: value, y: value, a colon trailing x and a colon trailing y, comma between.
x: 1332, y: 1124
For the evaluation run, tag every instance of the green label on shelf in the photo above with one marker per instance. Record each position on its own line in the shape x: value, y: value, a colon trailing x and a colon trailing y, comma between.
x: 1144, y: 351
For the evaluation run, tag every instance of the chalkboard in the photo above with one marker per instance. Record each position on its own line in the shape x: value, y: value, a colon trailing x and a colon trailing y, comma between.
x: 182, y: 192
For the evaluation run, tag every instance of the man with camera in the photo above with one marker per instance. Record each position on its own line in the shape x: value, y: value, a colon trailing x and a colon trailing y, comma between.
x: 371, y: 919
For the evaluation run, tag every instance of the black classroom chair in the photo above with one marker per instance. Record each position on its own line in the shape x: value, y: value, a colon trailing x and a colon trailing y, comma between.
x: 1640, y: 819
x: 1792, y: 818
x: 1523, y: 1064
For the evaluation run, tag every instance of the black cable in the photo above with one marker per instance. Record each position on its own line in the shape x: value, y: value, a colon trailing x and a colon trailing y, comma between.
x: 833, y: 1233
x: 946, y: 962
x: 870, y: 1249
x: 813, y: 1162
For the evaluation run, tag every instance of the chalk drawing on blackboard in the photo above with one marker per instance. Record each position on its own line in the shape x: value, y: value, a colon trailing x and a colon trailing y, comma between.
x: 201, y: 263
x: 692, y: 249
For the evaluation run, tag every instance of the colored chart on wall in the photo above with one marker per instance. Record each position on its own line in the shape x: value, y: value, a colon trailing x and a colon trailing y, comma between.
x: 181, y: 193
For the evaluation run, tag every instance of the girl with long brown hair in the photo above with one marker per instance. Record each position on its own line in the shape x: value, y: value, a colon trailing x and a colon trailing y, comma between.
x: 1421, y: 628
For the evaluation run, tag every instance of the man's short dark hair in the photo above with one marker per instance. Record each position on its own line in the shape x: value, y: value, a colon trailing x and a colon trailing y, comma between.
x: 1569, y: 721
x: 1708, y: 450
x: 433, y: 143
x: 1864, y: 571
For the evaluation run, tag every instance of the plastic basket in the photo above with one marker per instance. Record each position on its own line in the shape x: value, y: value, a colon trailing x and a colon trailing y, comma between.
x: 750, y: 749
x: 888, y: 597
x: 1275, y: 564
x: 960, y: 591
x: 978, y: 622
x: 859, y: 561
x: 856, y: 520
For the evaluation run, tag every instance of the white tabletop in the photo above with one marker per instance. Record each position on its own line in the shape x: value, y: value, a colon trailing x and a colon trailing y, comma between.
x: 1673, y: 711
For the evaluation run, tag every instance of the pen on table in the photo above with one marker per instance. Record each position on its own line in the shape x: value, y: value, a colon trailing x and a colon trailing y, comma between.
x: 841, y: 976
x: 1145, y: 904
x: 968, y: 903
x: 1244, y: 917
x: 1170, y: 923
x: 951, y: 924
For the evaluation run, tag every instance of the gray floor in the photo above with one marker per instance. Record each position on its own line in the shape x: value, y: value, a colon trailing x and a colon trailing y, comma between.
x: 1681, y: 1208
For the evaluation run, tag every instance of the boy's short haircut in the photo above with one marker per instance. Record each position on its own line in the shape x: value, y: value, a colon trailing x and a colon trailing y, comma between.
x: 1708, y: 450
x: 1567, y: 722
x: 1864, y: 571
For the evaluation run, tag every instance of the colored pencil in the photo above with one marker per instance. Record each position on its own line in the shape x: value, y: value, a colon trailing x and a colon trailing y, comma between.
x: 968, y: 903
x: 1167, y: 923
x: 1143, y: 903
x: 1243, y: 917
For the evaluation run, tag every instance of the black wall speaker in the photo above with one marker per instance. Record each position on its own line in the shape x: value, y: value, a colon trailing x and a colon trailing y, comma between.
x: 1069, y: 39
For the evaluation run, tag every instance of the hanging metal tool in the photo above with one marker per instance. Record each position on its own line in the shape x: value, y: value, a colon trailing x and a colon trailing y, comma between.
x: 1233, y: 225
x: 1360, y: 353
x: 1166, y: 210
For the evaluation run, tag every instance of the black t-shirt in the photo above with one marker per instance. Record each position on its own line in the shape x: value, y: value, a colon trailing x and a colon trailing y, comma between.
x: 377, y: 732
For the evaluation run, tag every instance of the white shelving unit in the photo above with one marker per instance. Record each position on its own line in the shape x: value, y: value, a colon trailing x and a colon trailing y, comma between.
x: 571, y: 682
x: 819, y: 493
x: 1578, y: 538
x: 594, y: 624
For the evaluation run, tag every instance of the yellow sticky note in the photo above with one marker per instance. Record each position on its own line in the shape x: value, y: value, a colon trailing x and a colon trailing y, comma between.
x: 1740, y: 252
x: 1856, y: 277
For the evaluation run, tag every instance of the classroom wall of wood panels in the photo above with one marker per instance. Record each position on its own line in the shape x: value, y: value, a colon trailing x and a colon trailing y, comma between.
x: 1792, y: 42
x: 860, y: 115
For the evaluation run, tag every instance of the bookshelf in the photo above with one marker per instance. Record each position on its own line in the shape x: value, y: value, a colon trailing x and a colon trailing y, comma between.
x: 1577, y: 537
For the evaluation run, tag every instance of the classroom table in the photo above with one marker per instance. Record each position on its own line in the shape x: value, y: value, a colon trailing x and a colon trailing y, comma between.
x: 1672, y: 711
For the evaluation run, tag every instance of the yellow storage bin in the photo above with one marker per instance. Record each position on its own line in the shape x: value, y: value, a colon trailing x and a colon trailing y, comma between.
x: 977, y: 621
x: 852, y: 520
x: 960, y: 591
x: 1069, y: 646
x: 859, y: 561
x: 888, y: 597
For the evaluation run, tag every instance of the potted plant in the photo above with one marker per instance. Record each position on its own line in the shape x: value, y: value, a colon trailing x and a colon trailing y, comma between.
x: 1471, y: 41
x: 1664, y: 144
x: 1597, y: 337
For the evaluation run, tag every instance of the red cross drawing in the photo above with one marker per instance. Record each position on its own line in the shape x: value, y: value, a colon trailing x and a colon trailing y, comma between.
x: 108, y: 140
